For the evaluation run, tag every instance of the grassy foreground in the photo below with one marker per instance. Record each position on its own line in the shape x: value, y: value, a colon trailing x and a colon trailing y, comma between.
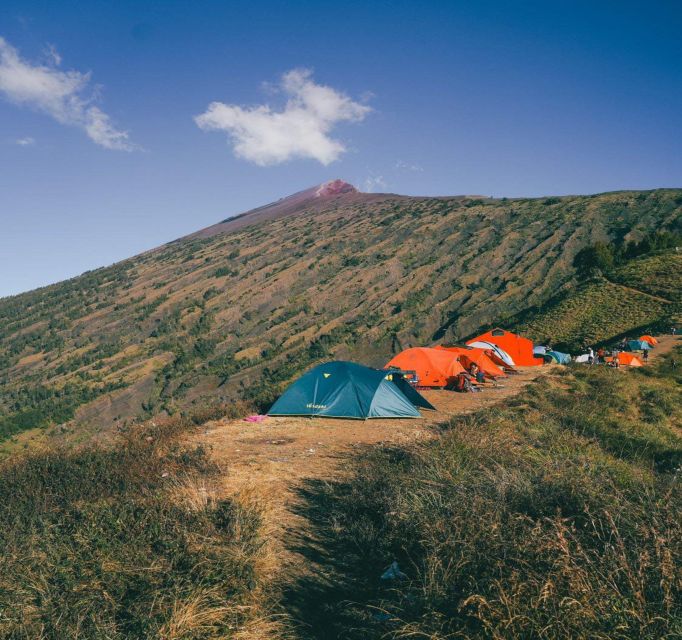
x: 558, y: 516
x: 128, y: 543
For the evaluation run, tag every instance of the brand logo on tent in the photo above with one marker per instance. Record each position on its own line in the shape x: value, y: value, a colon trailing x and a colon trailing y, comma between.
x: 310, y: 405
x: 326, y: 375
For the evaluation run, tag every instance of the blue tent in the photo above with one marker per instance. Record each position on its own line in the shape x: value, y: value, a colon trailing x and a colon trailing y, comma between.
x: 638, y: 345
x: 348, y: 390
x: 557, y: 356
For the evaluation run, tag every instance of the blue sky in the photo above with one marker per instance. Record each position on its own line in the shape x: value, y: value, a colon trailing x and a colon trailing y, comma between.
x: 425, y: 98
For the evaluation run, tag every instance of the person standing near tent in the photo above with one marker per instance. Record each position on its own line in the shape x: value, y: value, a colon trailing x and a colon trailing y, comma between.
x: 645, y: 355
x: 601, y: 354
x: 590, y: 356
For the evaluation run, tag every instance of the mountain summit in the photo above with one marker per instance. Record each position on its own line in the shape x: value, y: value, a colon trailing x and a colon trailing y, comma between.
x: 335, y: 188
x: 318, y: 196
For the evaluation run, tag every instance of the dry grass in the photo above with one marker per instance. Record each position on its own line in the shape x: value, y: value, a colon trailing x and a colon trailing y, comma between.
x: 130, y: 542
x: 559, y: 516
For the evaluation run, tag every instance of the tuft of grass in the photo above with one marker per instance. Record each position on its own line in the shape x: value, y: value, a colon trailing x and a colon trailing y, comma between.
x: 127, y: 542
x: 556, y: 516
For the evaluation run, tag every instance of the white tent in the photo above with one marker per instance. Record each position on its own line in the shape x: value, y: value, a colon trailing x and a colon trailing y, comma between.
x: 501, y: 353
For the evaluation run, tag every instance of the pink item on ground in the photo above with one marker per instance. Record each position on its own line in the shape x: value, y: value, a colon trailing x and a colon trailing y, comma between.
x: 255, y: 418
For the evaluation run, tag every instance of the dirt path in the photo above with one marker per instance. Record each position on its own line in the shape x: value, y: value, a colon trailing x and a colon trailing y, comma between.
x: 268, y: 463
x: 665, y: 345
x: 271, y: 461
x: 283, y: 450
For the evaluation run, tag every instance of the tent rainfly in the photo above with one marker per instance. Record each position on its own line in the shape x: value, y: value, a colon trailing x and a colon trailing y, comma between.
x: 349, y: 390
x: 638, y: 345
x: 471, y: 355
x: 557, y: 356
x: 626, y: 358
x: 518, y: 347
x: 433, y: 367
x: 498, y: 355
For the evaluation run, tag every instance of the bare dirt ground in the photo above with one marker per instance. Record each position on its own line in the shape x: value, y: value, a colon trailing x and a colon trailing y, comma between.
x: 283, y: 450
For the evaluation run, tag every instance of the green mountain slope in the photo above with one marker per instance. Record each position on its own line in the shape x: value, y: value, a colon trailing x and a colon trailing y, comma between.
x: 235, y: 311
x: 644, y: 293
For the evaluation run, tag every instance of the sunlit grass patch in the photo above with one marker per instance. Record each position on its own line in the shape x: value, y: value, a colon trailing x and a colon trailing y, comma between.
x: 126, y: 542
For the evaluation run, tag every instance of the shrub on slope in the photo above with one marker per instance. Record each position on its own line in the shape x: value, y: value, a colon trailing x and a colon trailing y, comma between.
x: 658, y: 275
x: 641, y: 293
x: 592, y: 313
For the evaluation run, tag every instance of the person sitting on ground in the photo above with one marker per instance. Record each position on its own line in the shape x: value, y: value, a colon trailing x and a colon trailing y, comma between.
x: 476, y: 373
x: 464, y: 384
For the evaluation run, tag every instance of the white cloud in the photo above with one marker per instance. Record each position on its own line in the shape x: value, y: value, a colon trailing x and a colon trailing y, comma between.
x: 406, y: 166
x: 301, y: 130
x: 375, y: 183
x: 59, y: 94
x: 53, y: 54
x: 25, y: 142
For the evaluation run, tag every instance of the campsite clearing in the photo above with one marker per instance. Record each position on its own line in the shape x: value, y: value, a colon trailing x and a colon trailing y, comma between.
x: 281, y: 450
x: 266, y: 462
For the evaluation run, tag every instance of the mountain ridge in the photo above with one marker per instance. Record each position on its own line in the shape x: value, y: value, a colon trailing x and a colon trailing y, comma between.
x: 230, y: 316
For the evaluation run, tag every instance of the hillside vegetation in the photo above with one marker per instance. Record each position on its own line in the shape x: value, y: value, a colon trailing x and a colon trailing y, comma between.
x: 234, y: 315
x: 556, y: 516
x: 642, y: 296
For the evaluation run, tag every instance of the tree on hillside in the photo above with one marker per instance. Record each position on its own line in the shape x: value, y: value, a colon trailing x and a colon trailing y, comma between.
x: 599, y: 256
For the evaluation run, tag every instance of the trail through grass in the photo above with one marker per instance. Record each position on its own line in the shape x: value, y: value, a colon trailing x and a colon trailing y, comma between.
x: 558, y: 515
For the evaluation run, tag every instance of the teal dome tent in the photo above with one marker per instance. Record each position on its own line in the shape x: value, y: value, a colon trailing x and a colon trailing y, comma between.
x: 347, y: 390
x: 557, y: 356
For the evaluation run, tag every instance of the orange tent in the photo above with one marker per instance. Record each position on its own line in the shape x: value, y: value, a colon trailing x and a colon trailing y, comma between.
x: 627, y: 359
x: 434, y: 367
x: 518, y: 347
x: 650, y: 339
x: 467, y: 356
